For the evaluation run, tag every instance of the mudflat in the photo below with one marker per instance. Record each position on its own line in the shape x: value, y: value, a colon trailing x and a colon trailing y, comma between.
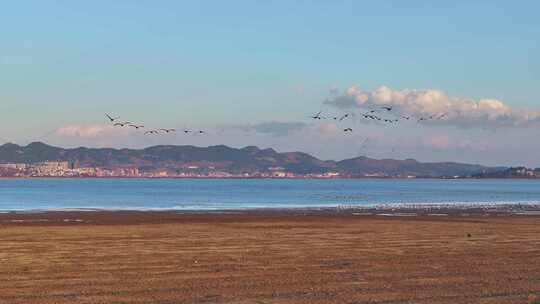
x: 269, y: 257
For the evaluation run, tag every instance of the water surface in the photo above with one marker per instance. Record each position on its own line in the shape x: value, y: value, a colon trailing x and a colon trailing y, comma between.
x: 32, y: 194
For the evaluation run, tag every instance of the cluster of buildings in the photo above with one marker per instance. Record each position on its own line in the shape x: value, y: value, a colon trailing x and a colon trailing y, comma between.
x: 62, y: 169
x: 525, y: 172
x: 68, y: 169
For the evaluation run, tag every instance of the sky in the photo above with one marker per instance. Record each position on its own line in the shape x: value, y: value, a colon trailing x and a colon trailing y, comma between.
x: 252, y: 72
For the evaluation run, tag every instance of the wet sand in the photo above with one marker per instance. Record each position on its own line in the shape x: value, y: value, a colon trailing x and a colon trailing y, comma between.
x: 295, y: 256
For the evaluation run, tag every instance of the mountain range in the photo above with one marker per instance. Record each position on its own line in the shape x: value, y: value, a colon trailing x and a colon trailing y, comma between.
x: 249, y: 159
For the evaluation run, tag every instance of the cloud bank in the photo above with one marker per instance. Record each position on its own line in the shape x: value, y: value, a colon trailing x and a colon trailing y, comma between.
x: 423, y: 103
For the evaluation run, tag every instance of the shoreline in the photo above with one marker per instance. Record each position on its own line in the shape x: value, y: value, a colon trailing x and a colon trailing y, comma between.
x: 453, y: 206
x: 269, y: 178
x: 148, y: 216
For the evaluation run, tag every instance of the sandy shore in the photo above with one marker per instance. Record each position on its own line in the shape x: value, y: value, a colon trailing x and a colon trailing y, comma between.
x: 271, y: 256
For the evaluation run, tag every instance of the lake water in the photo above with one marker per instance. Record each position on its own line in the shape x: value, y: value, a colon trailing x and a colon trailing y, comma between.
x: 35, y: 194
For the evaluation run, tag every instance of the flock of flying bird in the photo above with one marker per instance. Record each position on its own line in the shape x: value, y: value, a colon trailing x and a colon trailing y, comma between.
x: 373, y: 115
x: 115, y: 121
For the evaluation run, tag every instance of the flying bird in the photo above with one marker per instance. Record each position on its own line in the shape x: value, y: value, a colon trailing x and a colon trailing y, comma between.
x: 168, y: 130
x: 122, y: 124
x: 387, y: 108
x: 369, y: 115
x: 347, y: 130
x: 373, y: 117
x: 136, y: 126
x: 318, y: 116
x: 112, y: 119
x: 151, y: 132
x: 187, y: 131
x: 344, y: 117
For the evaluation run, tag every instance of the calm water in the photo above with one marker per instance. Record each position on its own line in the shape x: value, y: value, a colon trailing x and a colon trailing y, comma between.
x: 28, y: 194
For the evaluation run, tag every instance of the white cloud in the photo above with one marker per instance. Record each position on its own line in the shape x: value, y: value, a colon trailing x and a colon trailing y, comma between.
x: 459, y: 111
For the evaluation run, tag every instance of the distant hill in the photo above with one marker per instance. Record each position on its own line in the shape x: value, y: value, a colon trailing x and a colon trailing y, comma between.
x: 248, y: 159
x: 362, y: 166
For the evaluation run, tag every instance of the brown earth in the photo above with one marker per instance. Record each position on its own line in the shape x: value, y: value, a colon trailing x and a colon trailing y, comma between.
x: 268, y: 257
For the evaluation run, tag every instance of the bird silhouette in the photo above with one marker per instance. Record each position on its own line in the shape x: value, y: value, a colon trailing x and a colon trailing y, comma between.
x: 443, y: 116
x: 168, y: 130
x: 387, y: 108
x: 317, y: 116
x: 122, y: 124
x: 112, y: 119
x: 151, y: 132
x: 136, y: 126
x: 347, y: 130
x: 344, y: 117
x: 372, y: 117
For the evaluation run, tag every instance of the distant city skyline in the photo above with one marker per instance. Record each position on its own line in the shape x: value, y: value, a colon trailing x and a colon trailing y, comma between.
x: 252, y: 73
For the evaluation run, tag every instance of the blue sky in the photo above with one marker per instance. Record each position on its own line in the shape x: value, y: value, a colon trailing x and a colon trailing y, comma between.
x: 221, y: 64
